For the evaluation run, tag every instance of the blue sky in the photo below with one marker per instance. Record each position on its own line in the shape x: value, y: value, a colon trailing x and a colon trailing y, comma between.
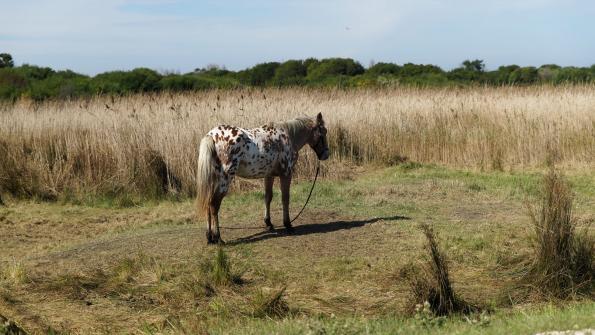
x: 180, y: 35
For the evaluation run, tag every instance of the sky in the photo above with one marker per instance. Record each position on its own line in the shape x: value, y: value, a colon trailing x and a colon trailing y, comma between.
x: 180, y: 35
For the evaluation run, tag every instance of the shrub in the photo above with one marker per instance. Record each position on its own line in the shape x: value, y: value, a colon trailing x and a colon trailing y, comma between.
x: 334, y: 67
x: 60, y: 85
x: 383, y: 68
x: 503, y: 74
x: 259, y: 75
x: 33, y: 72
x: 573, y: 74
x: 412, y: 70
x: 524, y: 75
x: 292, y: 72
x: 124, y: 82
x: 12, y: 83
x: 177, y: 83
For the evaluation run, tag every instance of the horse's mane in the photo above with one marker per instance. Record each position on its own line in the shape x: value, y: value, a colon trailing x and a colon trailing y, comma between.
x: 296, y: 126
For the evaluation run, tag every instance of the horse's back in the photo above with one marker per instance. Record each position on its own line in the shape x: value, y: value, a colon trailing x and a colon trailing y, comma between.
x: 252, y: 153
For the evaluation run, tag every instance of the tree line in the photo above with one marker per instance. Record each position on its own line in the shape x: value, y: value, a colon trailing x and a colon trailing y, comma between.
x: 40, y: 83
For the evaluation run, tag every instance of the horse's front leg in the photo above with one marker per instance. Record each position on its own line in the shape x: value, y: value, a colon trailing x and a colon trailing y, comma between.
x: 285, y: 184
x: 268, y: 197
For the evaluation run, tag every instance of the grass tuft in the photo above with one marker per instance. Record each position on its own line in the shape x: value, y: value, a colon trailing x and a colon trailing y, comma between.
x: 430, y: 284
x: 13, y: 273
x: 270, y: 305
x: 563, y: 262
x: 219, y: 271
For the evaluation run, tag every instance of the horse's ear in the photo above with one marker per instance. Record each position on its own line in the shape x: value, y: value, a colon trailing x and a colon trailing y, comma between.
x: 319, y: 119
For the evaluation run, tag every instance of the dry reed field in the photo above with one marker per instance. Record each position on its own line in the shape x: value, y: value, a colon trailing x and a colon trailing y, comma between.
x: 147, y: 144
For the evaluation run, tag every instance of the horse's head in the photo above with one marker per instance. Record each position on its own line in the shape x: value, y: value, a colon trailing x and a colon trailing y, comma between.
x: 317, y: 140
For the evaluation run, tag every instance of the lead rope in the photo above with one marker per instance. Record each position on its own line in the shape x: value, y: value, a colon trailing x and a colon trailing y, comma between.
x: 305, y: 204
x: 309, y: 195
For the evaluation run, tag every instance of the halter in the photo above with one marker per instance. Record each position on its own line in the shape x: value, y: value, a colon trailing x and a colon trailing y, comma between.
x: 320, y: 141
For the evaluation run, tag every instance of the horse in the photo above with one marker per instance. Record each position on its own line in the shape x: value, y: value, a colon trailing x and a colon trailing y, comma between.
x: 266, y: 152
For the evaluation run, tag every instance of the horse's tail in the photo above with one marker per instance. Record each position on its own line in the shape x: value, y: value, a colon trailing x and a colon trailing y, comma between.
x: 206, y: 175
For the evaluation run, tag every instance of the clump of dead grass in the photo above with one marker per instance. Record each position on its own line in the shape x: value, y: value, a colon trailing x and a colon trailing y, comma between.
x: 269, y: 304
x: 13, y: 272
x: 9, y: 327
x: 562, y: 265
x: 430, y: 283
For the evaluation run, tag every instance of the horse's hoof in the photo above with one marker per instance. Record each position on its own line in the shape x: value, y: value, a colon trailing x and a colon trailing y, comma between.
x: 269, y: 224
x: 210, y: 239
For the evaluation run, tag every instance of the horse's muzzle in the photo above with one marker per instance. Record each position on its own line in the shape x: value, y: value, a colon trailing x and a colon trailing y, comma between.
x: 324, y: 155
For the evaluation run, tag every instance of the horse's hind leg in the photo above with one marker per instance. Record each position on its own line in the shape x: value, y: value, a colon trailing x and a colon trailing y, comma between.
x: 268, y: 196
x: 214, y: 212
x: 209, y: 230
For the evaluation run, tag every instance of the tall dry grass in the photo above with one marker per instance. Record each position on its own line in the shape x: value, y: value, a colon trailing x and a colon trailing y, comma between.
x: 147, y: 144
x: 564, y: 262
x: 430, y: 283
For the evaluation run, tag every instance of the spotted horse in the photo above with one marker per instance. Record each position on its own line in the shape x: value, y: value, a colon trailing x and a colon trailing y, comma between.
x: 266, y: 152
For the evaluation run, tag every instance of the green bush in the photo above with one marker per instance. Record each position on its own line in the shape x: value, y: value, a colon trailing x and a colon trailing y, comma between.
x: 32, y: 72
x: 290, y: 73
x: 331, y: 67
x: 383, y: 68
x: 259, y: 75
x: 524, y: 75
x: 12, y: 83
x: 40, y: 83
x: 573, y: 74
x: 123, y: 82
x: 413, y: 70
x: 64, y: 84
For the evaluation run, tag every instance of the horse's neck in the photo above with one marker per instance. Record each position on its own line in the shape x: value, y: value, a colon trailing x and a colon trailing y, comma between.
x: 299, y: 139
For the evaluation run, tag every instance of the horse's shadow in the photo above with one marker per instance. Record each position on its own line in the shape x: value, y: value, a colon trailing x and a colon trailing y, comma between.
x: 313, y: 228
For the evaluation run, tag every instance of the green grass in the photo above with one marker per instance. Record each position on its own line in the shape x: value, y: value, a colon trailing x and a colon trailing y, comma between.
x: 531, y: 321
x: 391, y: 185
